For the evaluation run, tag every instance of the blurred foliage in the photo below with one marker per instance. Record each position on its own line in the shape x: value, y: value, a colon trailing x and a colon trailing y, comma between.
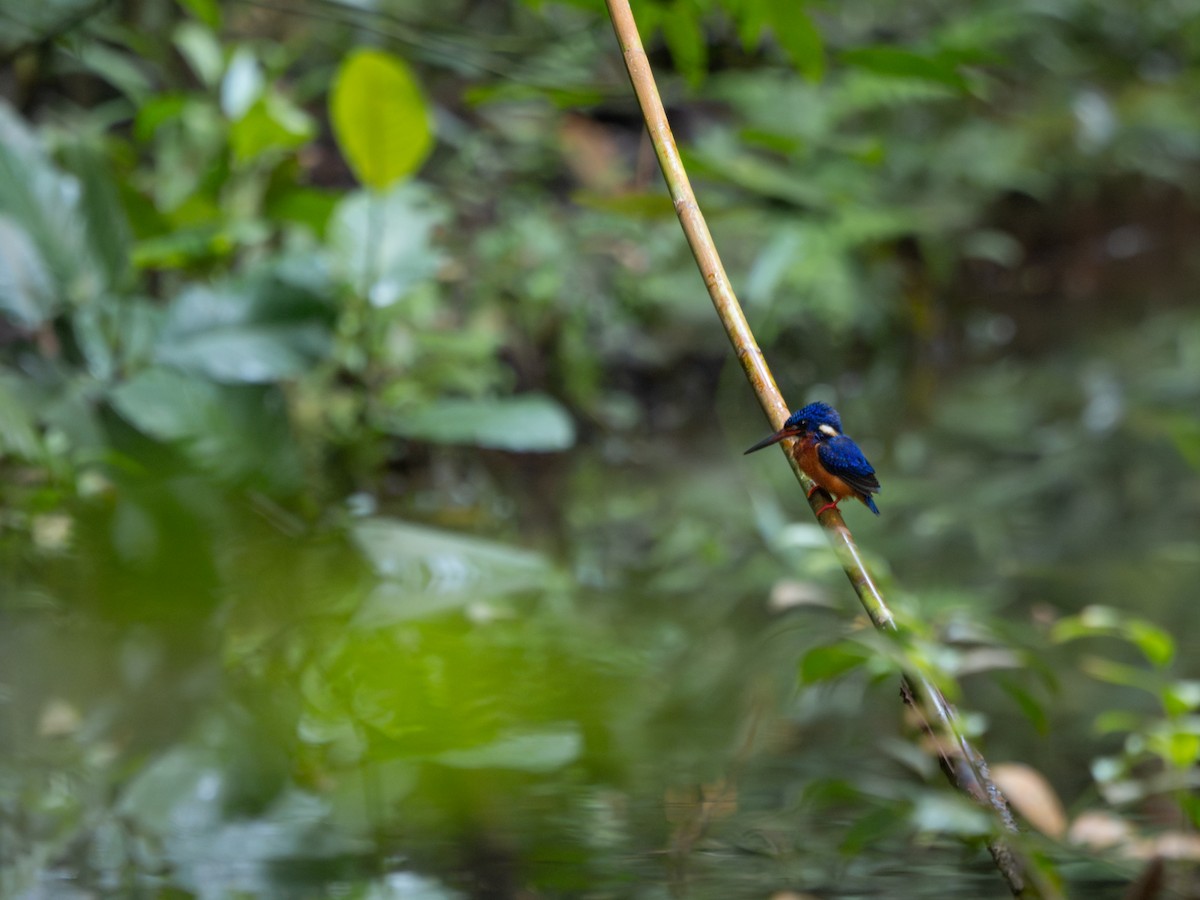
x: 369, y: 518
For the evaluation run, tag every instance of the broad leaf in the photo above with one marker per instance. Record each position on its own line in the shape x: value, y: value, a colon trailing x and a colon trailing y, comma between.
x: 273, y: 123
x: 528, y: 423
x: 18, y: 428
x: 27, y: 294
x: 825, y: 663
x: 166, y: 404
x: 255, y: 333
x: 47, y: 205
x: 382, y: 244
x: 236, y: 431
x: 380, y: 118
x: 799, y: 37
x: 243, y: 83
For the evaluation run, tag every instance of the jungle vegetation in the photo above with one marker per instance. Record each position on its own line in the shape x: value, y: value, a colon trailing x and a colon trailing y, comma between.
x: 373, y: 518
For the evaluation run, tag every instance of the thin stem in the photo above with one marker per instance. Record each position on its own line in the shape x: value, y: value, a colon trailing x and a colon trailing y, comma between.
x: 963, y: 765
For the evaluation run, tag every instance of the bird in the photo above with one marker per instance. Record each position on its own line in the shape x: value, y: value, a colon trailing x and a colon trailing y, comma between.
x: 832, y: 460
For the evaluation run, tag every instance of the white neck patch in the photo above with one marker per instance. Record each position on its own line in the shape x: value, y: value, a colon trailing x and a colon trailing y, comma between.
x: 827, y: 429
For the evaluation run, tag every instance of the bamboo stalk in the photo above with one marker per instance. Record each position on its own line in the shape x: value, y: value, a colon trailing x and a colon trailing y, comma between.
x: 963, y: 765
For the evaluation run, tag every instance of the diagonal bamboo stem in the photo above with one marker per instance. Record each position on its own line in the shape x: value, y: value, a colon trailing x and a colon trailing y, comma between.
x: 964, y: 766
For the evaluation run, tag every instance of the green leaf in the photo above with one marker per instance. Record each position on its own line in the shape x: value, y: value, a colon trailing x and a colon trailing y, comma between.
x: 685, y: 39
x: 1181, y: 697
x: 256, y: 333
x: 121, y: 70
x: 752, y: 18
x: 308, y: 206
x: 1183, y: 749
x: 903, y: 63
x: 380, y: 118
x: 799, y: 38
x: 115, y: 335
x: 156, y: 112
x: 1156, y: 644
x: 207, y: 11
x: 1102, y: 621
x: 234, y: 431
x: 18, y: 430
x: 527, y: 423
x: 1118, y: 673
x: 102, y: 213
x: 1116, y: 721
x: 243, y: 83
x: 526, y: 751
x: 184, y: 246
x: 1033, y: 709
x: 27, y: 294
x: 825, y: 663
x: 166, y: 404
x: 1177, y: 742
x: 381, y: 244
x: 46, y: 204
x: 252, y: 354
x: 271, y: 124
x: 1184, y: 431
x: 647, y: 17
x: 202, y: 50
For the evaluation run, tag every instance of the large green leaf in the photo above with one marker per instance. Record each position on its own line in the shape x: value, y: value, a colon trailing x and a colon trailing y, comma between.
x: 18, y: 430
x: 272, y: 124
x: 167, y: 405
x: 380, y: 118
x: 831, y: 661
x: 102, y: 214
x: 798, y: 36
x: 243, y: 83
x: 27, y: 294
x: 1102, y: 621
x: 686, y: 40
x: 527, y: 423
x: 235, y: 431
x: 382, y: 243
x: 257, y: 332
x: 45, y: 204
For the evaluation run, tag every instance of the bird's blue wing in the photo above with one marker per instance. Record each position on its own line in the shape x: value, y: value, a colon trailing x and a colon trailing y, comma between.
x: 842, y: 458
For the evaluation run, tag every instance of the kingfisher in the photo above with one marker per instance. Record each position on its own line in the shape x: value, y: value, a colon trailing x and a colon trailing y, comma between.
x: 832, y: 460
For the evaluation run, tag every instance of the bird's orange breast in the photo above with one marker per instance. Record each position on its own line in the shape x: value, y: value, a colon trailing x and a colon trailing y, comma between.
x: 810, y: 462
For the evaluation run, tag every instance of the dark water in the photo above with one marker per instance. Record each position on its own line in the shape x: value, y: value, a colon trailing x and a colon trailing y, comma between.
x: 576, y: 676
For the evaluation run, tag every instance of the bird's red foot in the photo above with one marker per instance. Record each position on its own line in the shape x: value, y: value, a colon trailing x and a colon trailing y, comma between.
x: 833, y: 505
x: 812, y: 490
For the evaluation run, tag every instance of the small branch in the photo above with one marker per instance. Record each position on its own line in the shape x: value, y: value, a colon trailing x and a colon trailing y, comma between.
x: 964, y: 766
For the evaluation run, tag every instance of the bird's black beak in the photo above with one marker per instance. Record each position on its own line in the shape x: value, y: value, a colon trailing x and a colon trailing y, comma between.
x: 774, y: 439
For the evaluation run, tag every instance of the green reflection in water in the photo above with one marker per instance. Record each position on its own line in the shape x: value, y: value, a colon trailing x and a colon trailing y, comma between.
x: 201, y: 692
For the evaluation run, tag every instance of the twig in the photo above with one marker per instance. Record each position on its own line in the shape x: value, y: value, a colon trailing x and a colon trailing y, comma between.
x: 963, y: 765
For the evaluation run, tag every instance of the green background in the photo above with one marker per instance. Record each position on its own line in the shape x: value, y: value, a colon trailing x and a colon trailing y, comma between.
x: 373, y: 519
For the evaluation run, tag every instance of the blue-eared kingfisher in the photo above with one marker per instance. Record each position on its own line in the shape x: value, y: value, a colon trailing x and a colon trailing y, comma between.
x: 832, y: 460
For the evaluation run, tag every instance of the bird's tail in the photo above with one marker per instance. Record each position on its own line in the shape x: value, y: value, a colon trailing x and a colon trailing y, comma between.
x: 870, y: 504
